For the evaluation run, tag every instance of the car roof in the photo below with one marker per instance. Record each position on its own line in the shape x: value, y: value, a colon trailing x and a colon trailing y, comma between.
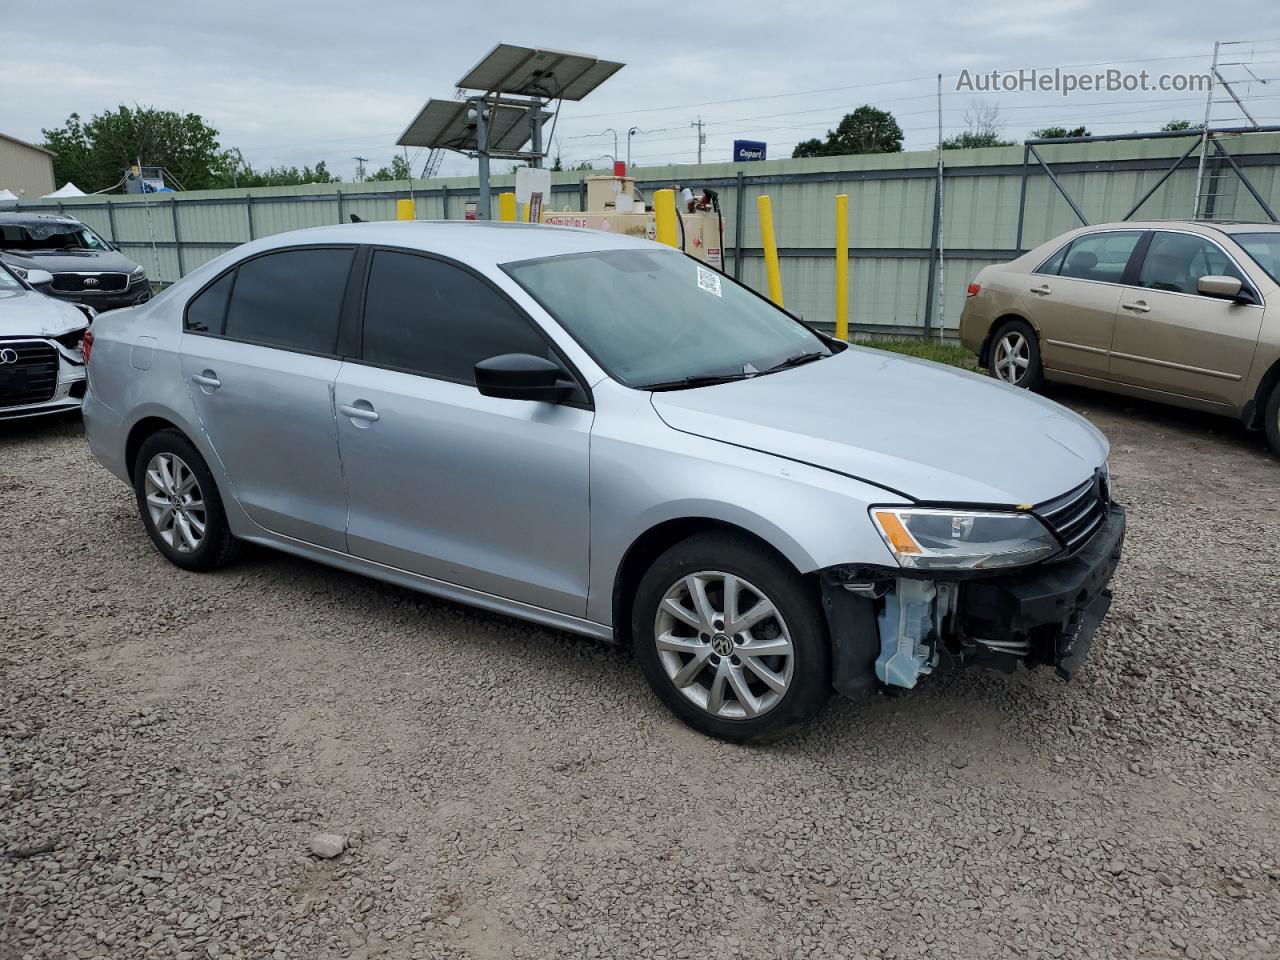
x: 474, y: 241
x: 1219, y: 226
x: 33, y: 217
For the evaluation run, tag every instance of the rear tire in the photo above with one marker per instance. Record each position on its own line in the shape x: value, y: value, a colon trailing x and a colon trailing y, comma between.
x: 694, y: 642
x: 1014, y: 356
x: 179, y: 504
x: 1271, y: 419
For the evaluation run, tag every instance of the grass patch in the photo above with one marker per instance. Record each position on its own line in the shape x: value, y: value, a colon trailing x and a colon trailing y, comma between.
x: 949, y: 353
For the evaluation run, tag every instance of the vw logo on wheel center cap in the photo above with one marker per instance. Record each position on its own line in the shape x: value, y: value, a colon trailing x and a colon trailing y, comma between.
x: 722, y: 645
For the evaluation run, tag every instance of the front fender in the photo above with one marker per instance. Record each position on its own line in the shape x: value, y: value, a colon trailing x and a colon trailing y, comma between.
x: 647, y: 474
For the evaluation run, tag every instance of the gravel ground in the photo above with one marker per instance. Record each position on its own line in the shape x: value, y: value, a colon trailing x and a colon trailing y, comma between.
x: 509, y: 791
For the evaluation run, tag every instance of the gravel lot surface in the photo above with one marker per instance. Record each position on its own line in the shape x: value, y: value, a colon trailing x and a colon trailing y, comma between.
x: 182, y: 740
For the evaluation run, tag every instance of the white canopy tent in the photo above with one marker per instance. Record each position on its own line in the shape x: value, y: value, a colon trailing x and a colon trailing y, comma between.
x: 68, y: 189
x: 8, y: 198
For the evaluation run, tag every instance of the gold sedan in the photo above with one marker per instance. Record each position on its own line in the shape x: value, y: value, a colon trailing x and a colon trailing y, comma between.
x: 1184, y: 312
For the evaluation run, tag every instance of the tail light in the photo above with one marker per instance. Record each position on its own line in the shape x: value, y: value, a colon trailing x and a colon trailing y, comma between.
x: 973, y: 290
x: 86, y: 346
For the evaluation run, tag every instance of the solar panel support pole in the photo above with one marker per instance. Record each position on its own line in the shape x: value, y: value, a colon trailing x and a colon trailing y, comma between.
x: 536, y: 118
x: 483, y: 209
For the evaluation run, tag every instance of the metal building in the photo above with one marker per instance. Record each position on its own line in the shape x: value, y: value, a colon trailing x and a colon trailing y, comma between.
x: 25, y: 169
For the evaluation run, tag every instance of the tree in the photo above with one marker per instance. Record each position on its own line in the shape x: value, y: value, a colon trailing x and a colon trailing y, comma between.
x: 94, y: 155
x: 246, y: 176
x: 1058, y: 133
x: 1174, y: 125
x: 982, y: 128
x: 866, y: 130
x: 399, y: 170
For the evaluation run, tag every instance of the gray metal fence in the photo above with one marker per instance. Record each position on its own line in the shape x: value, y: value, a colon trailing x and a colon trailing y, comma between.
x: 894, y: 247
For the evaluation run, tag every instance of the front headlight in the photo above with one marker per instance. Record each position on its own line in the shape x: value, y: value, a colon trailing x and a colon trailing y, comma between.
x: 941, y: 539
x: 138, y: 274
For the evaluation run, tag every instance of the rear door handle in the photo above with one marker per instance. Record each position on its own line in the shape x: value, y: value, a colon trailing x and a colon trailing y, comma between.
x: 1138, y: 306
x: 360, y: 410
x: 207, y: 379
x: 1042, y: 289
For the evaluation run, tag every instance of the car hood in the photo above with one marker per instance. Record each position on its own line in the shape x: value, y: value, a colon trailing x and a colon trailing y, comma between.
x: 931, y: 432
x: 27, y: 313
x: 70, y: 261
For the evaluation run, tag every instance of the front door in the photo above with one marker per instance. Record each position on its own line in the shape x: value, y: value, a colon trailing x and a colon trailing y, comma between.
x: 1171, y: 338
x: 486, y: 493
x: 257, y: 355
x: 1072, y: 300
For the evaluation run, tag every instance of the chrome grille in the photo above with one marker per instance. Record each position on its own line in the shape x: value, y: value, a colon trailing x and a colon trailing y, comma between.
x: 1078, y: 514
x: 90, y: 282
x: 30, y: 373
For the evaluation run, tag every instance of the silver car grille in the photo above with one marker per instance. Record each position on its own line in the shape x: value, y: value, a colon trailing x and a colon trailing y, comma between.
x: 1078, y: 514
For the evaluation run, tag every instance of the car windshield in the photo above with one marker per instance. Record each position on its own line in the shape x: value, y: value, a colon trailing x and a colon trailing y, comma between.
x: 657, y: 319
x: 1264, y: 248
x: 46, y: 235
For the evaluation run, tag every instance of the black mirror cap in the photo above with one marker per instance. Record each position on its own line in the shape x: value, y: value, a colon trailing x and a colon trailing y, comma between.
x: 522, y: 376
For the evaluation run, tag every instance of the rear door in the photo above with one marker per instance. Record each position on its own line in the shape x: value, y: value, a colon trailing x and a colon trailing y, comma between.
x: 259, y: 354
x: 487, y: 493
x: 1072, y: 299
x: 1171, y: 338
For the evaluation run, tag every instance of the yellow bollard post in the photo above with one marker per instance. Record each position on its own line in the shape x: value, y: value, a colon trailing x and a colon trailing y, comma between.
x: 405, y: 210
x: 842, y: 267
x: 770, y: 244
x: 507, y: 207
x: 664, y: 216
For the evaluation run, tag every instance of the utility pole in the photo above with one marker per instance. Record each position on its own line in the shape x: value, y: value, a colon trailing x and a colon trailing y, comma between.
x: 360, y: 162
x: 702, y: 137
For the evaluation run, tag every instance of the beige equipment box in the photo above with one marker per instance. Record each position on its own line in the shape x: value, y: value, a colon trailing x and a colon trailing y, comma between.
x: 613, y: 207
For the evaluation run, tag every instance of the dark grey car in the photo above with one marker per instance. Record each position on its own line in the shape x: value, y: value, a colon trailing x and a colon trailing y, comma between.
x: 86, y: 268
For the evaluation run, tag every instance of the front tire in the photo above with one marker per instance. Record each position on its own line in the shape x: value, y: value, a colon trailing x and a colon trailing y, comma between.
x: 732, y: 639
x: 179, y: 503
x: 1015, y: 355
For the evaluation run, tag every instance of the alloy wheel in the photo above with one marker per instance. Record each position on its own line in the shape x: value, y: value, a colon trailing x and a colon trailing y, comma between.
x: 1013, y: 357
x: 724, y: 645
x: 175, y: 502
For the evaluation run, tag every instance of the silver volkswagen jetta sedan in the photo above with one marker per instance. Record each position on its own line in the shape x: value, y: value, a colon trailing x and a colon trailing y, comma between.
x: 600, y: 434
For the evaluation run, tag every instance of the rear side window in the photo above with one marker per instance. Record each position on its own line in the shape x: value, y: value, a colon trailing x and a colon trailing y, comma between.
x: 291, y: 299
x: 1100, y: 256
x: 435, y: 319
x: 1054, y: 263
x: 208, y: 310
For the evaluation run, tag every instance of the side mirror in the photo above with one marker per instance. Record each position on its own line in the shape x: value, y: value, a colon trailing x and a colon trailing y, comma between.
x: 39, y: 278
x: 1225, y: 288
x: 522, y: 376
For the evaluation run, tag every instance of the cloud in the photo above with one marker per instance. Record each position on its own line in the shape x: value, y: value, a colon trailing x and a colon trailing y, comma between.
x: 293, y: 83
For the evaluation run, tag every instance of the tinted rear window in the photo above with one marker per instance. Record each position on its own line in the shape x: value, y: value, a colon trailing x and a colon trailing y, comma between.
x: 291, y: 299
x: 207, y: 311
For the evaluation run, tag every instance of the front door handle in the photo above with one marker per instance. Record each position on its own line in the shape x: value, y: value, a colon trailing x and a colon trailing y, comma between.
x: 1043, y: 289
x: 1138, y: 306
x: 360, y: 410
x: 208, y: 379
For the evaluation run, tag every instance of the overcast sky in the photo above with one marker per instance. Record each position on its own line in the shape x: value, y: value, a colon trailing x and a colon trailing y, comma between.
x: 293, y: 83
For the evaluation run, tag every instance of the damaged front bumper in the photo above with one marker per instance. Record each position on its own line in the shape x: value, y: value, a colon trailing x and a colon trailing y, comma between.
x: 889, y: 629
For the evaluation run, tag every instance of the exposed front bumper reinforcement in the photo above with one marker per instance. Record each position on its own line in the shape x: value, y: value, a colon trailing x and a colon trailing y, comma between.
x: 1044, y: 616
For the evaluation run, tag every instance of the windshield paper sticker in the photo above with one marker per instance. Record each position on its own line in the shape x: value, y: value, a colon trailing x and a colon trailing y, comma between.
x: 709, y: 281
